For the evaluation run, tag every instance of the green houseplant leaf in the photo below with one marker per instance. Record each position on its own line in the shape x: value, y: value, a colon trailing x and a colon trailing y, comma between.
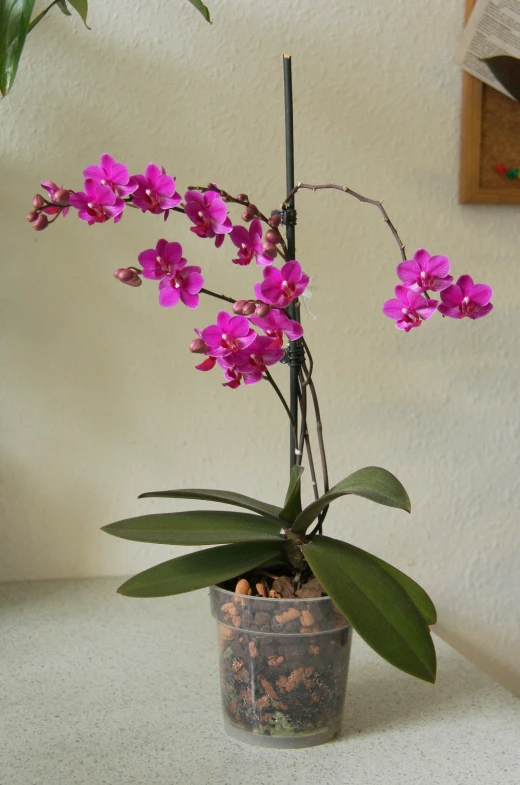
x: 507, y: 70
x: 202, y: 8
x: 81, y: 7
x: 372, y: 482
x: 293, y: 499
x: 376, y: 605
x: 203, y: 527
x: 415, y: 592
x: 197, y: 570
x: 62, y: 5
x: 224, y: 497
x: 15, y: 17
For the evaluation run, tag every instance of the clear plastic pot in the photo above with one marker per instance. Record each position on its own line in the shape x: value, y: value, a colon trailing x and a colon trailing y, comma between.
x: 283, y: 668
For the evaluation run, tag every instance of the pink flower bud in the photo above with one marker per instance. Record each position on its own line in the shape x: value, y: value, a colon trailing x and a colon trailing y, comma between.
x: 128, y: 276
x: 238, y: 307
x: 272, y: 236
x: 269, y: 250
x: 249, y: 308
x: 242, y: 197
x: 250, y: 212
x: 197, y: 346
x: 275, y: 220
x: 61, y: 197
x: 41, y: 222
x: 32, y: 216
x: 38, y: 202
x: 262, y: 309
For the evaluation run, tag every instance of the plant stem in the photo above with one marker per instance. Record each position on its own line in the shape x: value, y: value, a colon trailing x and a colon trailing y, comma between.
x: 304, y: 436
x: 218, y: 296
x: 277, y: 390
x: 376, y: 202
x: 41, y: 15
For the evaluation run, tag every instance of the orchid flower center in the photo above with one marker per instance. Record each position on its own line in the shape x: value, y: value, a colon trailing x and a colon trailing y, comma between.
x: 228, y: 342
x: 287, y: 288
x: 466, y: 306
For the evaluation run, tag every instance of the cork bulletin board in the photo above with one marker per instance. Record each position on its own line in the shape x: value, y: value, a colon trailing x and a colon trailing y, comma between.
x: 490, y: 135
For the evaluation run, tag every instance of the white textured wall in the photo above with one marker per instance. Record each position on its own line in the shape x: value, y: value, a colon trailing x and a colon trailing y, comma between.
x: 99, y: 398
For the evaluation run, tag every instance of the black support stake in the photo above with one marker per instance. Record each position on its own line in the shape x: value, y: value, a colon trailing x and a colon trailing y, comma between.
x: 289, y: 217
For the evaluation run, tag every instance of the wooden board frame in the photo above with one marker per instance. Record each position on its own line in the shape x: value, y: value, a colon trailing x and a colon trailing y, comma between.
x: 472, y: 191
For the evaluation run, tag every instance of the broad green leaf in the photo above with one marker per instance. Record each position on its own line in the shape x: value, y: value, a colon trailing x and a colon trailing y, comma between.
x: 293, y: 499
x: 15, y: 16
x: 81, y: 6
x: 507, y: 70
x: 415, y: 592
x: 197, y: 570
x: 372, y: 482
x: 202, y: 8
x: 62, y: 5
x: 375, y: 604
x: 224, y: 497
x: 204, y: 527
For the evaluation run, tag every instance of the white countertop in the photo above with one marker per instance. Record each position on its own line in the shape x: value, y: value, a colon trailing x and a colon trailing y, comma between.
x: 99, y: 689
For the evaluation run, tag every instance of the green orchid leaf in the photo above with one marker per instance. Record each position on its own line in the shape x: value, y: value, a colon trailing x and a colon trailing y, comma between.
x: 81, y: 7
x: 202, y: 8
x: 15, y: 17
x: 372, y: 482
x: 197, y: 570
x: 507, y: 70
x: 293, y: 499
x: 204, y: 527
x: 376, y: 605
x: 62, y: 5
x: 268, y: 511
x: 415, y: 592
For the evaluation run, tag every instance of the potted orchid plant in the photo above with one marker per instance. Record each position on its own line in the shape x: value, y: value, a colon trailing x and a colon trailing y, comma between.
x: 286, y: 596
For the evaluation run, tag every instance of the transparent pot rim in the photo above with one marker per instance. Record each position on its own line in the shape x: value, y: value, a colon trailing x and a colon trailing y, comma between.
x: 270, y: 599
x: 214, y: 590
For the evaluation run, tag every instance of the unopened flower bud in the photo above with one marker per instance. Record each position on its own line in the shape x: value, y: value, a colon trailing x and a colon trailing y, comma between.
x: 41, y: 222
x: 32, y: 216
x: 250, y: 212
x: 275, y: 220
x: 197, y: 346
x: 61, y: 197
x: 269, y: 250
x: 242, y: 197
x: 238, y: 306
x: 128, y: 276
x: 249, y: 308
x: 262, y: 309
x: 38, y: 202
x: 272, y: 236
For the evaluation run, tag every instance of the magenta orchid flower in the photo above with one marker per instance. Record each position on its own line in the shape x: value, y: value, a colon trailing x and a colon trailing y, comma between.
x: 466, y: 298
x: 276, y: 324
x: 52, y: 189
x: 112, y: 174
x: 209, y: 214
x: 409, y: 308
x: 425, y: 272
x: 155, y: 192
x: 229, y: 335
x: 97, y: 204
x: 249, y: 243
x: 249, y: 365
x: 281, y: 287
x: 185, y: 285
x: 234, y: 377
x: 162, y: 261
x: 257, y: 355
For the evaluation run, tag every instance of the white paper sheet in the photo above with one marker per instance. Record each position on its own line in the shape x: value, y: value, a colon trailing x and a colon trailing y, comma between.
x: 492, y: 29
